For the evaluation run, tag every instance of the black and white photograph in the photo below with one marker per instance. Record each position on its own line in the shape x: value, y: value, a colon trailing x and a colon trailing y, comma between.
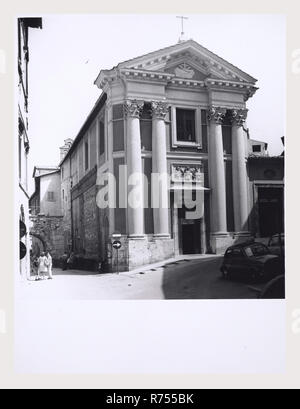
x: 151, y: 157
x: 150, y: 200
x: 150, y: 194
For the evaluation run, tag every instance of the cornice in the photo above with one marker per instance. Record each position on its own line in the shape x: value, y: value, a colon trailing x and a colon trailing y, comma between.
x: 245, y: 88
x: 107, y: 78
x: 146, y: 75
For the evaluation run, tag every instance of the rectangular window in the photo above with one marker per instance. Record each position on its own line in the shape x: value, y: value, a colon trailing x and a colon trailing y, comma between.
x: 186, y: 125
x: 237, y: 253
x: 256, y: 148
x: 51, y: 197
x: 118, y: 128
x: 101, y: 138
x: 86, y: 155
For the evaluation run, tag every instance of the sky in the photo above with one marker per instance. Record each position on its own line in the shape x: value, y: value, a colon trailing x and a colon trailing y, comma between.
x: 69, y: 52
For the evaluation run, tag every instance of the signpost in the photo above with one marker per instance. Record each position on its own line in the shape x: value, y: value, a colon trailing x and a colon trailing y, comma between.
x: 23, y: 232
x: 117, y: 245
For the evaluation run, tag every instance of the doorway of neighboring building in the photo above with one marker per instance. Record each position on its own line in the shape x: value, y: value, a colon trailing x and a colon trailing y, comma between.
x: 271, y: 210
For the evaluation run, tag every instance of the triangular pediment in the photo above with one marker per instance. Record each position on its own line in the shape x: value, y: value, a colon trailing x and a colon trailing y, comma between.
x: 188, y: 60
x: 186, y: 70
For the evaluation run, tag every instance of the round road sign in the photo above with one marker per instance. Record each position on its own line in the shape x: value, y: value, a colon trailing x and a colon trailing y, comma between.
x: 117, y: 244
x: 23, y: 250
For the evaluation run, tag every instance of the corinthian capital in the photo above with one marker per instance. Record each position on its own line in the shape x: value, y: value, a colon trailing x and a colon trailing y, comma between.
x: 159, y: 109
x: 238, y: 116
x: 216, y: 114
x: 133, y: 108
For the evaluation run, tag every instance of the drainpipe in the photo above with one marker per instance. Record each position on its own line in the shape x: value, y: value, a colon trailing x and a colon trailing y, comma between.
x: 71, y: 206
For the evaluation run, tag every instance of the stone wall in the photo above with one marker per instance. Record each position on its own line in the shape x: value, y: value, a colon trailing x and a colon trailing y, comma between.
x: 84, y: 222
x: 49, y: 229
x: 137, y: 253
x: 90, y: 223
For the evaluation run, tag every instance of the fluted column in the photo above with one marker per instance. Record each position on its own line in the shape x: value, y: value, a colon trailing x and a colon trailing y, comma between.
x: 239, y: 172
x: 217, y: 172
x: 133, y: 111
x: 159, y: 169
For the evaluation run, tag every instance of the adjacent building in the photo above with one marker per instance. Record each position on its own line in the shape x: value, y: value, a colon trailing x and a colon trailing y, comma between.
x: 46, y: 199
x: 24, y: 25
x: 47, y: 214
x: 266, y: 195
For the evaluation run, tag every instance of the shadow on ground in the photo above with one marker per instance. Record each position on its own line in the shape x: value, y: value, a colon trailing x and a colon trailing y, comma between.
x: 203, y: 280
x: 79, y: 273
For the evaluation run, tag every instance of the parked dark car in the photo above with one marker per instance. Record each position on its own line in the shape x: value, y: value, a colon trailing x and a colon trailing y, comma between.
x: 250, y: 260
x: 276, y: 244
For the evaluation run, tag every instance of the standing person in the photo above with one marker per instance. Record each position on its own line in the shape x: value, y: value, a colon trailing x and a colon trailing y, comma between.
x: 43, y: 266
x: 64, y: 260
x: 49, y: 262
x: 36, y: 267
x: 71, y: 260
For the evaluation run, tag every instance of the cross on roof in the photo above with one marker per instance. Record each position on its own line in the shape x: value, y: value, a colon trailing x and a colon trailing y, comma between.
x: 182, y: 23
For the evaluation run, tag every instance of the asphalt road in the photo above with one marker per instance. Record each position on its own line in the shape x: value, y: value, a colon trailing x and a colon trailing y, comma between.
x: 203, y: 280
x: 184, y: 279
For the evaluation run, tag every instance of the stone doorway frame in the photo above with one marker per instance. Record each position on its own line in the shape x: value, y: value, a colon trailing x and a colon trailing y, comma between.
x: 176, y: 227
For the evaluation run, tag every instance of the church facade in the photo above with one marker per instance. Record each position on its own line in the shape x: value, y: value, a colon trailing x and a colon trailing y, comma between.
x: 180, y: 114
